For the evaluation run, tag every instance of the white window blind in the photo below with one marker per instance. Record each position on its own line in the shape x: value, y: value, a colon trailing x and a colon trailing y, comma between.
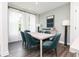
x: 20, y: 20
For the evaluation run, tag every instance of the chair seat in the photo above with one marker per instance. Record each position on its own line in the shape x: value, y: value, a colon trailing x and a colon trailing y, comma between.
x: 47, y: 43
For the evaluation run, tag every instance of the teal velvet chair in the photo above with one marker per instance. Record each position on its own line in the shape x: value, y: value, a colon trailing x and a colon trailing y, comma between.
x: 27, y: 31
x: 52, y: 44
x: 23, y: 38
x: 31, y: 41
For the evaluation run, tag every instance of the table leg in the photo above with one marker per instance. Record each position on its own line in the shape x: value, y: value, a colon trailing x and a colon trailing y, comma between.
x: 40, y: 48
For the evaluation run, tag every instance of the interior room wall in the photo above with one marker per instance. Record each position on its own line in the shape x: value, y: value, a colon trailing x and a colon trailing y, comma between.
x: 74, y: 23
x: 61, y: 13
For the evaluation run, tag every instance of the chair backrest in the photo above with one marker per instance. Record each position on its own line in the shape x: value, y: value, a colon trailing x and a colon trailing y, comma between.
x: 47, y: 32
x: 23, y: 36
x: 27, y: 31
x: 30, y: 41
x: 56, y: 39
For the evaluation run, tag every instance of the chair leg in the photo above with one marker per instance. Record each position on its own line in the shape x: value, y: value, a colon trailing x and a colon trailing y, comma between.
x: 22, y: 43
x: 25, y: 44
x: 56, y: 51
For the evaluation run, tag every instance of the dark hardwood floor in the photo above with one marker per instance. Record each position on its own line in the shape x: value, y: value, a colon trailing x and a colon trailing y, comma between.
x: 16, y: 49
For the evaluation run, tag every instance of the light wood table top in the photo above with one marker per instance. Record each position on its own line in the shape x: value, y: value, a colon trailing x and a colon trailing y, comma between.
x: 41, y: 36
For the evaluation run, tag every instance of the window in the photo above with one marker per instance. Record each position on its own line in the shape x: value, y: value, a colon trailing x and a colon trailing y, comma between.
x: 19, y: 20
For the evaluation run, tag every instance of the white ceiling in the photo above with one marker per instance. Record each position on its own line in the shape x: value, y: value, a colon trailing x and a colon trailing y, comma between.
x: 36, y: 7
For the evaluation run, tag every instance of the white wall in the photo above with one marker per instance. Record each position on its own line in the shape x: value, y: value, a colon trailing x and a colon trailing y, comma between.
x: 61, y: 13
x: 74, y: 23
x: 3, y: 29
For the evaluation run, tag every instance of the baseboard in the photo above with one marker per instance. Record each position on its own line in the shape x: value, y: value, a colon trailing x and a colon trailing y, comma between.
x: 63, y: 42
x: 4, y: 53
x: 15, y: 41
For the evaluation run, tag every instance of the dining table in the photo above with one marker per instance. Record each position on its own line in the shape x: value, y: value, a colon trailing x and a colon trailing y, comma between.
x: 41, y: 37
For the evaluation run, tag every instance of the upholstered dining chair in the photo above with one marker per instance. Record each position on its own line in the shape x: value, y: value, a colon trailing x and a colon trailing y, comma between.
x: 31, y: 42
x: 52, y: 44
x: 23, y: 38
x: 27, y: 31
